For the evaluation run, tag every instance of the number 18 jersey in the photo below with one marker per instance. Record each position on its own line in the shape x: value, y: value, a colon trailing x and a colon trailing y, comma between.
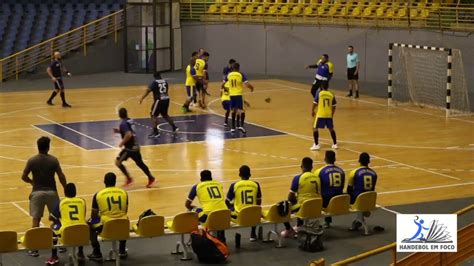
x: 332, y: 180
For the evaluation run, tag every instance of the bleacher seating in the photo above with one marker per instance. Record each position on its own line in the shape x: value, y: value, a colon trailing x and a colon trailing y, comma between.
x: 26, y: 23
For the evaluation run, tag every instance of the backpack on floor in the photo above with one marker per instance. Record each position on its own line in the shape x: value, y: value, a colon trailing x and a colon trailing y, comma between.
x: 309, y: 237
x: 208, y: 248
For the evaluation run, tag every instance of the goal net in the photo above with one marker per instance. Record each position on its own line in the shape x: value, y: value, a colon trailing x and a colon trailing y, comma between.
x: 428, y: 76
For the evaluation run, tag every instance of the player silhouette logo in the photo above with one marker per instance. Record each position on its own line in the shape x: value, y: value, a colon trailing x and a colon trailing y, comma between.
x: 433, y: 233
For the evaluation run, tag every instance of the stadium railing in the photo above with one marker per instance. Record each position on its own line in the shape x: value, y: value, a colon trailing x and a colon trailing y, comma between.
x: 451, y: 17
x: 465, y: 250
x: 79, y: 38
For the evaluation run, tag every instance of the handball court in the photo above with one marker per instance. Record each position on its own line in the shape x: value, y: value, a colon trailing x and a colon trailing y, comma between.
x: 419, y: 155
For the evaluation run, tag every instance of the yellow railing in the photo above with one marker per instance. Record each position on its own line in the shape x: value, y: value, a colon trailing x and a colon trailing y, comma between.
x: 405, y: 14
x: 390, y: 247
x: 78, y: 38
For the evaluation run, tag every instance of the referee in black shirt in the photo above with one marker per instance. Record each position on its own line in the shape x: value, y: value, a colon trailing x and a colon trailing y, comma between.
x: 55, y: 73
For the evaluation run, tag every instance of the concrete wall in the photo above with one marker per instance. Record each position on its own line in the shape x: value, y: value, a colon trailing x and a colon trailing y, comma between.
x: 285, y: 50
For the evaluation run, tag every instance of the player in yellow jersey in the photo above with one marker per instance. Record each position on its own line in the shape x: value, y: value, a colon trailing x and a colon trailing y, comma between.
x: 225, y: 94
x: 109, y: 203
x: 236, y: 81
x: 325, y: 101
x: 304, y: 186
x: 210, y: 195
x: 70, y: 211
x: 190, y: 85
x: 244, y: 193
x: 200, y: 66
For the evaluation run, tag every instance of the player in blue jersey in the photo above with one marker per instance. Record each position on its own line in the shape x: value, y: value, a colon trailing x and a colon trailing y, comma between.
x: 324, y: 72
x: 361, y: 179
x: 332, y: 179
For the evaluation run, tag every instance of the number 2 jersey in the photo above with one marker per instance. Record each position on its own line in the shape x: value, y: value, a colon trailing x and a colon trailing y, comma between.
x: 70, y: 211
x: 210, y: 195
x: 112, y: 203
x: 244, y: 193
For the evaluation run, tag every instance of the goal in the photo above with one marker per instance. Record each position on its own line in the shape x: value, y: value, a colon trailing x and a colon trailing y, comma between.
x: 427, y: 76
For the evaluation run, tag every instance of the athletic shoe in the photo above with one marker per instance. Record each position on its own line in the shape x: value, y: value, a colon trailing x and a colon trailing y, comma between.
x: 128, y: 183
x: 62, y: 250
x: 296, y: 228
x: 349, y: 95
x: 154, y: 135
x: 175, y: 129
x: 151, y: 182
x: 253, y: 238
x: 66, y: 105
x: 232, y: 130
x: 50, y: 103
x: 123, y: 255
x: 326, y: 225
x: 288, y: 233
x: 355, y: 226
x: 357, y: 96
x: 242, y: 129
x: 315, y: 147
x: 334, y: 146
x: 33, y: 253
x: 52, y: 261
x: 226, y: 125
x: 95, y: 257
x: 80, y: 257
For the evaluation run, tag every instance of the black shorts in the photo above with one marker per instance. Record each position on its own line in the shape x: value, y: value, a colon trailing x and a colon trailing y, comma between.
x: 126, y: 153
x: 160, y: 107
x: 199, y: 85
x: 351, y: 74
x: 59, y: 85
x: 319, y: 84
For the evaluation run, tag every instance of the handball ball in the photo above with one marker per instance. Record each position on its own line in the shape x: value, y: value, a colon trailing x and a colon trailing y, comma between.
x: 268, y: 100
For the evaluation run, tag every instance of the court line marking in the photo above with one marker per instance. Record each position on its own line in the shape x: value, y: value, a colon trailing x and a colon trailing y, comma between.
x: 24, y: 211
x: 378, y: 104
x: 77, y: 132
x: 348, y: 149
x: 424, y: 188
x: 57, y: 137
x: 387, y: 209
x: 23, y: 110
x: 14, y: 130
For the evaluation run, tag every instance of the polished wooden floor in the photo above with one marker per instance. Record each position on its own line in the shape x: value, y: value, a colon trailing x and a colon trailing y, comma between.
x: 418, y: 154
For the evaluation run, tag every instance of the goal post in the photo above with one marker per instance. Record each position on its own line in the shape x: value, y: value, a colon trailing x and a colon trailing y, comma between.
x: 427, y: 76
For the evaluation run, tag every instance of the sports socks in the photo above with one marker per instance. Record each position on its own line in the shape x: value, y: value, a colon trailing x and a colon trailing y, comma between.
x: 52, y: 96
x: 63, y: 97
x: 316, y: 137
x: 333, y: 136
x: 242, y: 119
x: 233, y: 119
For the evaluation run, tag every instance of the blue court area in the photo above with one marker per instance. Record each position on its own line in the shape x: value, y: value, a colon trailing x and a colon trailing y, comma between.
x: 98, y: 135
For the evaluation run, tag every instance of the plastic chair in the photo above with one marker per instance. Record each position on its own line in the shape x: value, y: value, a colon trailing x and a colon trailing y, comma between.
x: 75, y: 236
x: 38, y: 238
x: 183, y: 223
x: 272, y: 216
x: 150, y: 226
x: 338, y: 205
x: 365, y: 202
x: 8, y: 243
x: 249, y: 216
x: 115, y: 230
x: 310, y: 209
x: 218, y: 220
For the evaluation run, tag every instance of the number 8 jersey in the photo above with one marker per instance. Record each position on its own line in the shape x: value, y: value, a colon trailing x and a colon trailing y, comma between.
x: 112, y: 203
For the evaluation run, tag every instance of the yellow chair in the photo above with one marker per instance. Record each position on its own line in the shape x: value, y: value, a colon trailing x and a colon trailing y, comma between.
x: 310, y: 209
x: 213, y: 9
x: 321, y: 11
x: 424, y: 13
x: 402, y: 12
x: 338, y: 205
x: 333, y: 9
x: 296, y: 10
x: 272, y: 216
x: 390, y: 12
x: 249, y: 216
x: 414, y: 13
x: 115, y: 230
x: 356, y: 12
x: 284, y: 10
x: 249, y: 9
x: 260, y: 10
x: 368, y: 11
x: 38, y: 238
x: 150, y: 226
x: 75, y: 236
x: 218, y: 220
x: 364, y: 203
x: 183, y: 223
x: 273, y: 9
x: 308, y: 11
x: 8, y: 243
x: 380, y: 12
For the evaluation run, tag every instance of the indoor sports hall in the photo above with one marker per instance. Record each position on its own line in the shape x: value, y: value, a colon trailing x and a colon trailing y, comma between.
x: 412, y: 115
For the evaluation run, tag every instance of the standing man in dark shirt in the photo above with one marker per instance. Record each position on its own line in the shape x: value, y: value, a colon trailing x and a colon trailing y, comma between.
x: 43, y: 167
x: 161, y: 103
x: 131, y: 149
x: 55, y: 73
